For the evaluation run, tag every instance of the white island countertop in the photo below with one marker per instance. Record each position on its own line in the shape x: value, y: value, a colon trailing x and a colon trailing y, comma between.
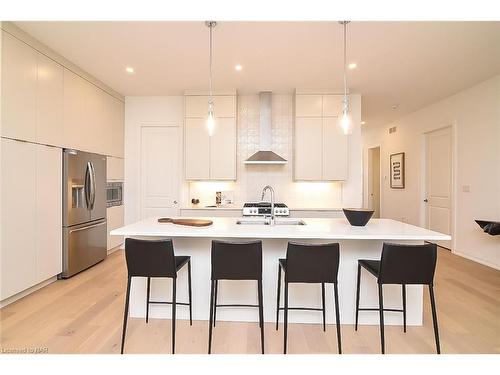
x: 315, y: 228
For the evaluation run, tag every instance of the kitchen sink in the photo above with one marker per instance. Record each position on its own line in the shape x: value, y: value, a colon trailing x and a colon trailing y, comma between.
x: 260, y: 221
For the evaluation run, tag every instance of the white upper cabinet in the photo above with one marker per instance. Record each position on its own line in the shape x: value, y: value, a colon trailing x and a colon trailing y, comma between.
x: 308, y: 105
x: 49, y: 102
x: 19, y: 87
x: 332, y: 105
x: 308, y: 157
x: 210, y: 158
x: 223, y: 150
x: 114, y: 168
x: 197, y: 150
x: 321, y: 149
x: 93, y: 119
x: 335, y: 150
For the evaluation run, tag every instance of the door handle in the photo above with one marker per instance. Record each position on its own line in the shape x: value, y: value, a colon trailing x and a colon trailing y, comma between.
x: 87, y: 187
x: 426, y: 200
x: 88, y: 227
x: 92, y: 178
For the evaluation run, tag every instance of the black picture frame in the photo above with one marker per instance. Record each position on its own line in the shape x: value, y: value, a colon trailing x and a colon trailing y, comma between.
x: 397, y: 166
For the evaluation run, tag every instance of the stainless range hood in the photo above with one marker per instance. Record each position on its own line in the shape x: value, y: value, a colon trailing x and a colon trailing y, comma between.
x: 265, y: 155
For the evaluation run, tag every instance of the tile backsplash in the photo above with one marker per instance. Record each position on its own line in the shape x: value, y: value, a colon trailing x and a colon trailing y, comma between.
x: 252, y: 178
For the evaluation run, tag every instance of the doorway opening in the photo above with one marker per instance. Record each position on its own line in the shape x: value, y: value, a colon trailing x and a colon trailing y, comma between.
x: 374, y: 180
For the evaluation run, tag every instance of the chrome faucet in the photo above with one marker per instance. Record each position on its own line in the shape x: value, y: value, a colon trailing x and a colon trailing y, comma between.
x: 270, y: 188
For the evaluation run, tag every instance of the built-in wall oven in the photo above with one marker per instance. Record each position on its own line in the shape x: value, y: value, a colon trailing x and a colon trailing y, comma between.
x: 114, y: 194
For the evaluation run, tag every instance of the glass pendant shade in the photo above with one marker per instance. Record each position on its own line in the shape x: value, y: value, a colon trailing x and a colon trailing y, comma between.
x: 345, y: 122
x: 210, y: 122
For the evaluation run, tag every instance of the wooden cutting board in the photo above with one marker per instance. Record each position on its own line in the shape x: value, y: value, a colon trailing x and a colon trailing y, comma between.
x: 188, y: 222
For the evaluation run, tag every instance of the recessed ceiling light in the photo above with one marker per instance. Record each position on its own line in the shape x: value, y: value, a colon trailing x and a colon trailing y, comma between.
x: 395, y: 106
x: 129, y: 69
x: 352, y: 65
x: 238, y: 68
x: 363, y: 122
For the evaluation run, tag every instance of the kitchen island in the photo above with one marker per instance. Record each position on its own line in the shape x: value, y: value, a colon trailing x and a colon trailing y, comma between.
x: 355, y: 243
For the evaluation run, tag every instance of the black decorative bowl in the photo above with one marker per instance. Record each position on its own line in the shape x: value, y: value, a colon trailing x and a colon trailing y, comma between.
x: 358, y: 217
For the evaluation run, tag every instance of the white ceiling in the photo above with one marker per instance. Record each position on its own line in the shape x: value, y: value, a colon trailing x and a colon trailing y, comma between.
x: 411, y: 64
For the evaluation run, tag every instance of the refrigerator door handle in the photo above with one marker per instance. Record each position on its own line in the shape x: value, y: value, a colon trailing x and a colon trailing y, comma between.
x: 92, y: 178
x: 87, y: 186
x: 87, y: 227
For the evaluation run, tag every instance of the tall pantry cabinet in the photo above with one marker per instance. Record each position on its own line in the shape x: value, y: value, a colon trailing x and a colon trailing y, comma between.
x: 44, y: 107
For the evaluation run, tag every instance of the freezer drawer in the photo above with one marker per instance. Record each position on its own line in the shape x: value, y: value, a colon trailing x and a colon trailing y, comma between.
x: 84, y: 246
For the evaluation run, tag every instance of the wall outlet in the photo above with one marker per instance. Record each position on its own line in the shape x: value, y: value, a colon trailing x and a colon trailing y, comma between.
x: 466, y: 188
x: 392, y: 130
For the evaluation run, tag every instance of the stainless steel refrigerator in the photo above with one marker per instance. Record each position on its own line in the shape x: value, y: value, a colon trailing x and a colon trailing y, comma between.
x: 84, y: 211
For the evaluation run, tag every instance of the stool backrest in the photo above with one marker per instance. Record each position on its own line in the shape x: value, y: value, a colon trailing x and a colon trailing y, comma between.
x: 150, y: 258
x: 407, y: 264
x: 312, y: 263
x: 236, y: 260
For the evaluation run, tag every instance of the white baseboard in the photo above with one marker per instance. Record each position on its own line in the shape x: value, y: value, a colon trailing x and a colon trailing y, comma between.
x: 477, y: 260
x: 24, y: 293
x: 119, y: 247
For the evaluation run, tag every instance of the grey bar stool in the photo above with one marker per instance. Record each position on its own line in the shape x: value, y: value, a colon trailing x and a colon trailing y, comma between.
x: 236, y: 261
x: 310, y: 263
x: 402, y: 265
x: 155, y: 259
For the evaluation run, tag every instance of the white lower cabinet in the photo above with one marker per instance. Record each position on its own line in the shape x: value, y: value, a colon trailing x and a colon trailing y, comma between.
x: 48, y: 212
x: 31, y: 214
x: 18, y: 250
x: 115, y: 220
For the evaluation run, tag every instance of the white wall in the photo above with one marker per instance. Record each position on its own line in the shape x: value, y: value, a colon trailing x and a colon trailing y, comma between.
x: 251, y: 179
x: 474, y: 114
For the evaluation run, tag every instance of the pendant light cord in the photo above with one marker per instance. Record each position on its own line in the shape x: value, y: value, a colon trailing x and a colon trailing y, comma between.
x: 210, y: 54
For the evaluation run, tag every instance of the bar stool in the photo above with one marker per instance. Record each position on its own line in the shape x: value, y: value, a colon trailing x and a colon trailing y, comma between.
x: 155, y: 259
x: 310, y: 263
x: 236, y: 261
x: 402, y: 265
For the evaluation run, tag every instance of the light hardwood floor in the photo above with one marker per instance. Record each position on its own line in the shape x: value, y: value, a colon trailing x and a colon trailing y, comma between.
x: 84, y: 315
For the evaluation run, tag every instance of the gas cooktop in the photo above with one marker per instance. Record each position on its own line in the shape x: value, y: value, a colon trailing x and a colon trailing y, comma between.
x: 264, y: 208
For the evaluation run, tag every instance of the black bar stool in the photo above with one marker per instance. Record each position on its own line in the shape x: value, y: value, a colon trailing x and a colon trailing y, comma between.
x: 236, y: 261
x: 155, y: 259
x: 402, y: 265
x: 310, y: 263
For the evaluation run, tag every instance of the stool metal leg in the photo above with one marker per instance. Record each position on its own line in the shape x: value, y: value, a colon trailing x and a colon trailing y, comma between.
x: 148, y: 299
x: 357, y: 297
x: 434, y: 318
x: 174, y: 308
x: 190, y: 295
x: 125, y: 314
x: 285, y: 318
x: 337, y: 317
x: 404, y: 306
x: 215, y: 302
x: 278, y: 299
x: 381, y: 312
x: 323, y: 303
x: 261, y: 315
x: 210, y: 322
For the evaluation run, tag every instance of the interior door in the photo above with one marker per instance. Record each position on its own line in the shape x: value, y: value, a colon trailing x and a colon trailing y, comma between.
x: 160, y: 170
x: 374, y: 180
x: 439, y: 182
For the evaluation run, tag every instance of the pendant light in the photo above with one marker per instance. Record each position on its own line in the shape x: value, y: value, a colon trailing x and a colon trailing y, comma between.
x: 345, y: 120
x: 210, y: 117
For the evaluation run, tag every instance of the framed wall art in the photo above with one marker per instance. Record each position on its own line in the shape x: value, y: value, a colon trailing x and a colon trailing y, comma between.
x: 398, y: 171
